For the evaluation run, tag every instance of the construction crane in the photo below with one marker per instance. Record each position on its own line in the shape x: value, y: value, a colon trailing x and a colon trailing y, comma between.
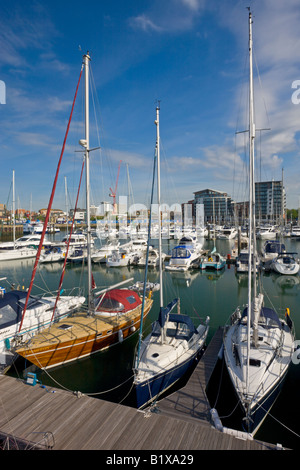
x: 114, y: 192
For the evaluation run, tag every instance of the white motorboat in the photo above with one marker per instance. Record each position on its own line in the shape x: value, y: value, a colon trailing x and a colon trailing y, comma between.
x: 31, y: 241
x: 242, y: 262
x: 118, y: 259
x: 101, y: 255
x: 285, y: 263
x: 266, y: 233
x: 271, y: 249
x: 295, y: 231
x: 17, y: 253
x: 36, y: 227
x: 227, y: 233
x: 138, y: 244
x: 77, y: 240
x: 153, y: 259
x: 77, y: 255
x: 182, y: 259
x: 52, y: 255
x: 185, y: 255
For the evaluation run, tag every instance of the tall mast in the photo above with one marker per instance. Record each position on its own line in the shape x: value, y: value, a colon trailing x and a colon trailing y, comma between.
x: 251, y: 197
x: 161, y: 294
x: 158, y: 203
x: 86, y: 61
x: 13, y: 209
x: 66, y: 198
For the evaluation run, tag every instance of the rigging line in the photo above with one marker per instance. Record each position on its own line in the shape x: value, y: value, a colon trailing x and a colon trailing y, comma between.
x: 289, y: 429
x: 238, y: 114
x: 68, y: 244
x: 111, y: 389
x: 220, y: 382
x: 46, y: 288
x: 93, y: 95
x: 49, y: 205
x: 230, y: 414
x: 147, y: 257
x: 9, y: 194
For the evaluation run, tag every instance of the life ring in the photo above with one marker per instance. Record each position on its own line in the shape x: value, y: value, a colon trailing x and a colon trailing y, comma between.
x: 210, y: 259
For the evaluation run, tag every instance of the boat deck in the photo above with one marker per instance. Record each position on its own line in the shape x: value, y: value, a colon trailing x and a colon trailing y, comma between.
x: 191, y: 402
x: 49, y: 418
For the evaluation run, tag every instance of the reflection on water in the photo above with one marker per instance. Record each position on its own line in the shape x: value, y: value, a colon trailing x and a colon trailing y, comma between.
x: 108, y: 375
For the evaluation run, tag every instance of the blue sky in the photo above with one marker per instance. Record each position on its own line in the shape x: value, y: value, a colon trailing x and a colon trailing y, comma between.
x: 191, y: 55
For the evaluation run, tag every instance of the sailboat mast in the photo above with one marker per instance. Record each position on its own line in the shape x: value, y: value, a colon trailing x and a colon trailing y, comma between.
x: 13, y: 209
x: 158, y: 203
x: 161, y: 294
x: 66, y: 198
x: 86, y: 60
x: 251, y: 269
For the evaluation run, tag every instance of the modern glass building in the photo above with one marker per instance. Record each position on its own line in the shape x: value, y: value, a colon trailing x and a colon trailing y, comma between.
x: 217, y: 205
x: 270, y: 201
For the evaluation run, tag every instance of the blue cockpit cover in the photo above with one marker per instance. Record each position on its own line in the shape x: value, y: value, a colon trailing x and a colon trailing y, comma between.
x: 164, y: 311
x: 13, y: 300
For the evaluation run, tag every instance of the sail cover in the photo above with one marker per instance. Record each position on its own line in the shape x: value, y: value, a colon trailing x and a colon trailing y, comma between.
x: 119, y: 300
x: 164, y: 312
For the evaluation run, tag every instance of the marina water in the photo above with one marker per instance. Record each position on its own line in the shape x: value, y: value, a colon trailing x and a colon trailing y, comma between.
x: 108, y: 375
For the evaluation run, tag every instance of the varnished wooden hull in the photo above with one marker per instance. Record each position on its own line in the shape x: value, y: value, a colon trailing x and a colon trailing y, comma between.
x: 80, y: 336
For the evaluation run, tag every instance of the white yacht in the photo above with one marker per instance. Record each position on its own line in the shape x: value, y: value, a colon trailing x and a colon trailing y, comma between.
x: 227, y: 233
x: 101, y: 255
x: 266, y: 233
x: 295, y: 231
x: 185, y: 254
x: 285, y: 263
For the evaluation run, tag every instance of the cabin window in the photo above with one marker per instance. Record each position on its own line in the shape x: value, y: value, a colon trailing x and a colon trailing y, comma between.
x: 131, y: 299
x: 7, y: 315
x: 32, y: 302
x: 235, y: 353
x: 156, y: 329
x: 179, y: 331
x: 180, y: 253
x: 254, y: 362
x: 65, y: 327
x: 111, y: 304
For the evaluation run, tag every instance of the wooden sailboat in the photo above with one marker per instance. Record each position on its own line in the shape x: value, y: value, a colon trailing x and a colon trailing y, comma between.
x: 174, y: 344
x: 258, y: 345
x: 109, y: 319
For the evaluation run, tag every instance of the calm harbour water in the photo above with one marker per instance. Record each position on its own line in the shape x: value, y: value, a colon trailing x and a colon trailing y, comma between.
x: 108, y: 375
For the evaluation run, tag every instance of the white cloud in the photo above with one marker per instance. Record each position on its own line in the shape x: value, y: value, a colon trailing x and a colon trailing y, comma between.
x: 145, y: 23
x: 193, y: 4
x: 174, y: 16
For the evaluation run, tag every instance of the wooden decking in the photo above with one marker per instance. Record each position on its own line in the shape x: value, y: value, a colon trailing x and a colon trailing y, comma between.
x: 190, y: 402
x: 61, y: 420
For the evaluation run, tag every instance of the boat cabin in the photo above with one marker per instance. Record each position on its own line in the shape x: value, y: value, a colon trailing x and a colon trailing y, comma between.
x: 118, y: 301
